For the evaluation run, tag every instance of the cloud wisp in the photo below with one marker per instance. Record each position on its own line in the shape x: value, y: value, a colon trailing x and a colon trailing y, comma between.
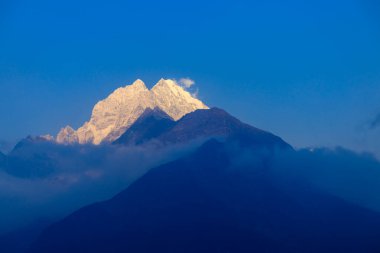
x: 375, y: 123
x: 186, y: 82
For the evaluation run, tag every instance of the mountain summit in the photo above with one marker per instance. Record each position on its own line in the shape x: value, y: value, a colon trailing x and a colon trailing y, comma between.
x: 112, y: 116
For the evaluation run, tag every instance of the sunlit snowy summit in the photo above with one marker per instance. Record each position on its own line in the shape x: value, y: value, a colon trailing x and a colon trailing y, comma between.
x: 112, y: 116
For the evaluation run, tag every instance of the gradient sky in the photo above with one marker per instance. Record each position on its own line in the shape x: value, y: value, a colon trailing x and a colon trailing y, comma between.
x: 308, y: 71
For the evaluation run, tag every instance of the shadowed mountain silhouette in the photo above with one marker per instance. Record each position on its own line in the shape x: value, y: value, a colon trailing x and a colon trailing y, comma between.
x: 202, y: 124
x: 28, y: 160
x: 216, y: 200
x: 37, y: 157
x: 151, y: 124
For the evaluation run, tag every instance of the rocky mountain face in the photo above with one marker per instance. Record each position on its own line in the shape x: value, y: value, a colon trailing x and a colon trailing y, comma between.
x: 112, y: 116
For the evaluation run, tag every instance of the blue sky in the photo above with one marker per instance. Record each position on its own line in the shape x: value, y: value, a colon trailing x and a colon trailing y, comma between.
x: 308, y: 71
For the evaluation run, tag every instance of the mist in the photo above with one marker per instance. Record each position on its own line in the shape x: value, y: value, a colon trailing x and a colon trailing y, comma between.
x: 46, y: 181
x: 340, y: 172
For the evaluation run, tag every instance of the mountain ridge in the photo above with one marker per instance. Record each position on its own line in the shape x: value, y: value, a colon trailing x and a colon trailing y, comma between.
x: 150, y: 125
x: 201, y: 124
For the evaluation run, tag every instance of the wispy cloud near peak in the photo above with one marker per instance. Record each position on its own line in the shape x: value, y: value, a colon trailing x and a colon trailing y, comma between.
x: 186, y: 82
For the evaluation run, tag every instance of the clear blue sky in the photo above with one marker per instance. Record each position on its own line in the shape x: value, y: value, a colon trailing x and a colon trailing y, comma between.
x: 308, y: 71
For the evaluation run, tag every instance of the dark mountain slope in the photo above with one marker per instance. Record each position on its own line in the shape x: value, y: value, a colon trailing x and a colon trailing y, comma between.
x: 19, y: 241
x: 216, y: 200
x: 202, y: 124
x: 151, y: 124
x: 218, y: 123
x: 31, y: 158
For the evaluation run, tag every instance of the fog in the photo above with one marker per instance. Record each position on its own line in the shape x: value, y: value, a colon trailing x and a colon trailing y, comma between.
x: 352, y: 176
x: 44, y: 181
x: 343, y: 173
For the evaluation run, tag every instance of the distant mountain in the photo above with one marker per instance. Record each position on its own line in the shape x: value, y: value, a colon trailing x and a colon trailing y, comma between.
x: 222, y: 198
x: 31, y: 158
x: 29, y: 141
x: 112, y: 116
x: 200, y: 124
x: 40, y: 156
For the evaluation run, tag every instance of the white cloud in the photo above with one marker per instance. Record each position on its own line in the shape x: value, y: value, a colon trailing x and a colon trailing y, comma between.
x: 195, y: 93
x: 186, y: 82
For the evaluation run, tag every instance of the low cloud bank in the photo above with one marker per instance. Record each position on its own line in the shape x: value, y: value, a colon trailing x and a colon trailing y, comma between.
x: 352, y: 176
x: 48, y: 181
x: 75, y: 176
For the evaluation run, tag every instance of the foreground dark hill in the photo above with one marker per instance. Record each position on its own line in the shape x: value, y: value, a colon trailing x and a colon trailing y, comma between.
x: 222, y: 198
x: 3, y: 161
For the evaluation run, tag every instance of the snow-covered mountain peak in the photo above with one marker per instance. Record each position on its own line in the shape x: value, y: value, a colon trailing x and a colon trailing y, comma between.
x: 112, y: 116
x: 169, y: 86
x: 174, y: 99
x: 137, y: 85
